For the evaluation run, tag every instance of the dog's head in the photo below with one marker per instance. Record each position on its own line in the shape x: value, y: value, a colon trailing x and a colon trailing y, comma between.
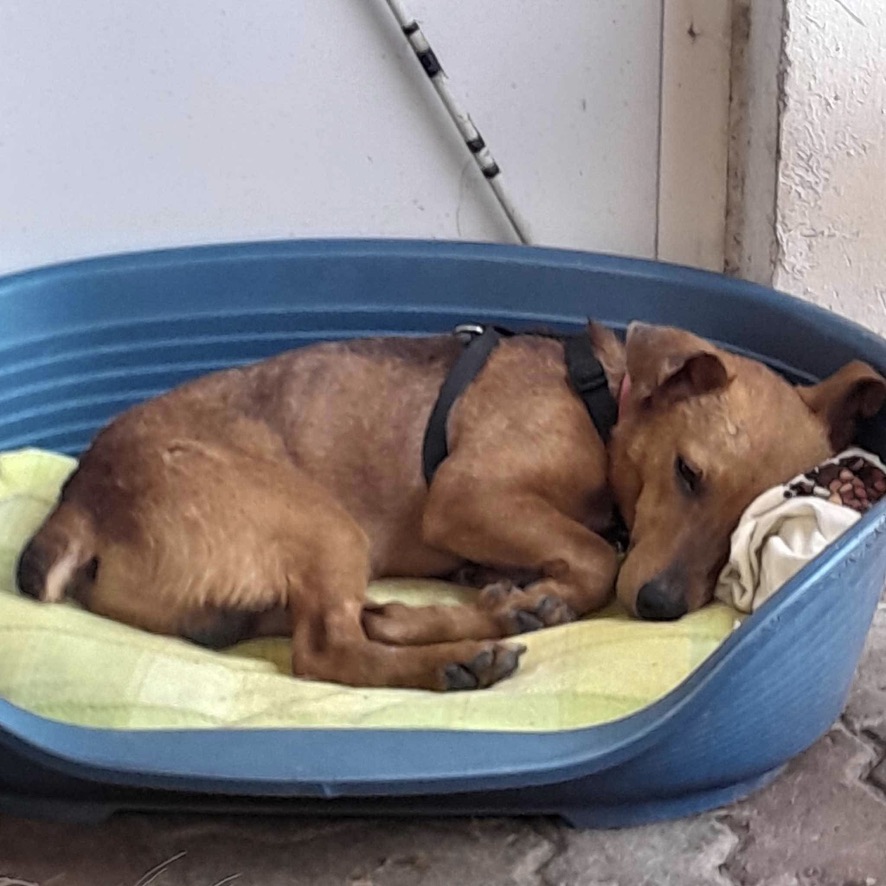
x: 700, y: 434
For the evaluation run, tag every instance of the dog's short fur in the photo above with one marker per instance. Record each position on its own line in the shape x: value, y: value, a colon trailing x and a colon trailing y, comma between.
x: 264, y: 498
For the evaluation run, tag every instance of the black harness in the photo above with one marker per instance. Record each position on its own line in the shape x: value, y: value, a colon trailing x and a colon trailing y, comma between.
x: 585, y: 374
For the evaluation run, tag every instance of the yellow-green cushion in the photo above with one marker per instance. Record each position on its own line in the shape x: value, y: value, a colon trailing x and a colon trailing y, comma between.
x: 61, y: 662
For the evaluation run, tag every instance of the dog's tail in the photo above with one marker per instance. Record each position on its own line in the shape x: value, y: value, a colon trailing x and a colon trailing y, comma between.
x: 64, y: 549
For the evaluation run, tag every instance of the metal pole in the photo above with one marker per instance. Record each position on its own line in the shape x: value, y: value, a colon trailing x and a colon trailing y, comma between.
x: 472, y: 138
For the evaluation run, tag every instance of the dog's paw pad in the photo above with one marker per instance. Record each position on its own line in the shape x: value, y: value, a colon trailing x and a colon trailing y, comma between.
x: 546, y: 612
x: 459, y: 677
x: 497, y: 592
x: 553, y: 611
x: 527, y: 621
x: 484, y: 669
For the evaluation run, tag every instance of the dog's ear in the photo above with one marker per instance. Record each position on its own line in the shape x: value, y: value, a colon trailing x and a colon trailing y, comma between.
x: 855, y: 391
x: 666, y: 364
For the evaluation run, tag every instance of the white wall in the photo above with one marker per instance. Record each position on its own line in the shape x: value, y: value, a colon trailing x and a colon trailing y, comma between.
x: 129, y: 125
x: 831, y: 218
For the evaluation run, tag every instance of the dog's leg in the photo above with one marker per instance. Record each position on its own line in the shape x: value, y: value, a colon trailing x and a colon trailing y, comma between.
x: 577, y: 566
x: 400, y: 625
x: 329, y: 643
x: 415, y: 625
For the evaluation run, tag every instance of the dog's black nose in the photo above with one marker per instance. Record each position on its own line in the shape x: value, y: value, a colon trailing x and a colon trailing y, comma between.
x: 657, y: 600
x: 30, y: 591
x: 30, y: 573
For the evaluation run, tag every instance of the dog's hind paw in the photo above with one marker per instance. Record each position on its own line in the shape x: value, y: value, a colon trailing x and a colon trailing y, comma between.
x: 527, y: 614
x: 498, y: 661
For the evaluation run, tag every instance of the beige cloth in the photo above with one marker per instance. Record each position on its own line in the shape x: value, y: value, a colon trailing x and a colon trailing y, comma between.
x: 778, y: 535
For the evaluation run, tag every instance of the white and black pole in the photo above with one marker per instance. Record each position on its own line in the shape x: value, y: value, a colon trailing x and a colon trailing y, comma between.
x: 469, y: 132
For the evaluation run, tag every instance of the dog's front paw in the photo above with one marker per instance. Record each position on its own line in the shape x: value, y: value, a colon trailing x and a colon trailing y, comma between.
x: 494, y: 594
x: 497, y: 661
x: 524, y: 613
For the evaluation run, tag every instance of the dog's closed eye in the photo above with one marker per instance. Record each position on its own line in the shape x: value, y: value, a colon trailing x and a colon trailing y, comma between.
x: 688, y: 477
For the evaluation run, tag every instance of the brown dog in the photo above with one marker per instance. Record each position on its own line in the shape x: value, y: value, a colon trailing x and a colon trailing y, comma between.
x: 273, y: 493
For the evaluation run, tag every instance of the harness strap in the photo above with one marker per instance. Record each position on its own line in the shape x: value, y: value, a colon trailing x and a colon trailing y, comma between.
x: 465, y: 369
x: 586, y: 376
x: 588, y: 380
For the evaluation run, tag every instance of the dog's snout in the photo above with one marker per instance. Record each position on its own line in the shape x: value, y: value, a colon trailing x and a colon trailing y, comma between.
x: 658, y: 600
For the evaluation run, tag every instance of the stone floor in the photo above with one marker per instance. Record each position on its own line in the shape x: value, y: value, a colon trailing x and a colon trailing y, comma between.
x: 823, y: 823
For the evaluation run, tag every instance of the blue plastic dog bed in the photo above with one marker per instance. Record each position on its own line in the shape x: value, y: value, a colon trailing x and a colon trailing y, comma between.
x: 82, y: 341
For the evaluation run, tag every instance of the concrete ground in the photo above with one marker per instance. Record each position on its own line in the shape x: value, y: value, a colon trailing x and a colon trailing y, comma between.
x: 823, y: 823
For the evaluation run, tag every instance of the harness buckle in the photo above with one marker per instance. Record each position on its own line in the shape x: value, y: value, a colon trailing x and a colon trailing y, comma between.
x: 465, y: 332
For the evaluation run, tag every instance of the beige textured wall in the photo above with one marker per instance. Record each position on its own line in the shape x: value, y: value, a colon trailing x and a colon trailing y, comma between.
x: 831, y: 190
